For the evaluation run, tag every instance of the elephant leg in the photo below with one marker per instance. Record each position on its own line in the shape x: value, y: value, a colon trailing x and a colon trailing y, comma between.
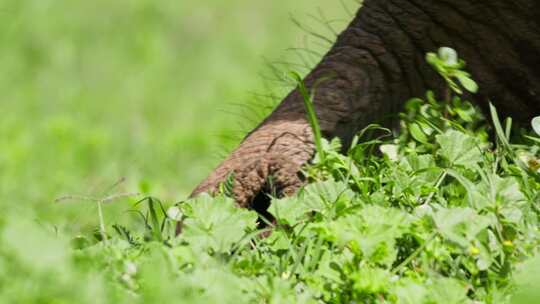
x: 273, y: 154
x: 375, y: 65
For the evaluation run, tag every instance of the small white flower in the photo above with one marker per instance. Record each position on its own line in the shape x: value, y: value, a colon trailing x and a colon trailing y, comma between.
x: 130, y: 268
x: 174, y: 213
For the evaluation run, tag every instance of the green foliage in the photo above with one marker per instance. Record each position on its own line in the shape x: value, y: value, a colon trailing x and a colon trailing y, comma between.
x: 536, y: 125
x: 215, y: 224
x: 459, y: 149
x: 450, y: 67
x: 442, y: 215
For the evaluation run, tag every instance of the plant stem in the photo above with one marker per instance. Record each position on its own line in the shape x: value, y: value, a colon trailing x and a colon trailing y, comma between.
x: 414, y: 254
x: 437, y: 185
x: 101, y: 221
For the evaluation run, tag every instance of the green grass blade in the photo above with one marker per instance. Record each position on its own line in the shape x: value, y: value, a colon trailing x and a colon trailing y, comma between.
x: 311, y: 114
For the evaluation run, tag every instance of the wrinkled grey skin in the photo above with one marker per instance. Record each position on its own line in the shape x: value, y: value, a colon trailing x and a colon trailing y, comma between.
x: 375, y: 65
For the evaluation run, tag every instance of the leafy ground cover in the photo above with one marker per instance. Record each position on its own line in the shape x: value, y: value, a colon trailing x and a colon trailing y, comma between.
x: 446, y: 211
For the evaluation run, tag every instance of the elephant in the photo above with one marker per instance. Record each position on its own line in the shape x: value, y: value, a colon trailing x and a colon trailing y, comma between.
x: 374, y: 66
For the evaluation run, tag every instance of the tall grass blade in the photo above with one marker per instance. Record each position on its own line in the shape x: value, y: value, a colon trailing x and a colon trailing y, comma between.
x: 311, y: 114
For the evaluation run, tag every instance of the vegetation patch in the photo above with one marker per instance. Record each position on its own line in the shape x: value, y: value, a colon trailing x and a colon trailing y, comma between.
x: 444, y: 212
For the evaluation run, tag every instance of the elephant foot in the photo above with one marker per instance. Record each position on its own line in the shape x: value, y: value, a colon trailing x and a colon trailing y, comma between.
x: 267, y: 164
x: 272, y: 175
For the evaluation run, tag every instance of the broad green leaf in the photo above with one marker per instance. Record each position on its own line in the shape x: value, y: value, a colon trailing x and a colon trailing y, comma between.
x: 417, y: 133
x: 449, y: 291
x: 215, y: 222
x: 409, y: 292
x: 527, y: 281
x: 536, y: 125
x: 372, y: 231
x: 289, y: 210
x: 370, y: 280
x: 497, y: 192
x: 325, y: 196
x: 460, y: 225
x: 459, y: 148
x: 469, y: 84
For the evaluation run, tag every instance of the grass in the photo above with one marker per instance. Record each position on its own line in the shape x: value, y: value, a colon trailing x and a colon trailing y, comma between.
x: 444, y: 214
x: 311, y: 114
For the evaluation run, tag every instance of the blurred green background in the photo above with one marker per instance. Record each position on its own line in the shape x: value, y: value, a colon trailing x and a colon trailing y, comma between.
x: 153, y: 91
